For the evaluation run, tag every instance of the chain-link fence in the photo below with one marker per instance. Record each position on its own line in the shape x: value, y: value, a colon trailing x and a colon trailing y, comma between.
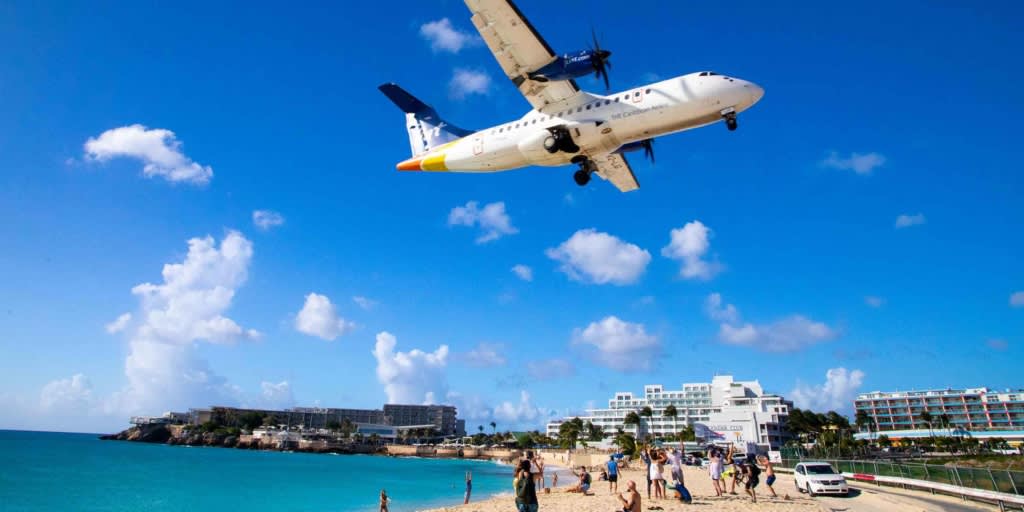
x: 999, y: 480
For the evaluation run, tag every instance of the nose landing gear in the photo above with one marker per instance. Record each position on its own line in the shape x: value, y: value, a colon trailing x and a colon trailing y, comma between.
x: 730, y: 121
x: 587, y: 167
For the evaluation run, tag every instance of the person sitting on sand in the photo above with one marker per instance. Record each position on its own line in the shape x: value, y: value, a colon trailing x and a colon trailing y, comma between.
x: 524, y: 488
x: 631, y: 501
x: 384, y: 500
x: 584, y: 484
x: 769, y: 473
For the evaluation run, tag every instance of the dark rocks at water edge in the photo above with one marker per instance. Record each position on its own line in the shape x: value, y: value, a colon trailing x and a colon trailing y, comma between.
x: 230, y: 438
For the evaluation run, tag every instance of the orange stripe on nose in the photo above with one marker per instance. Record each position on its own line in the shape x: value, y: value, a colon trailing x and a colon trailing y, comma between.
x: 412, y: 164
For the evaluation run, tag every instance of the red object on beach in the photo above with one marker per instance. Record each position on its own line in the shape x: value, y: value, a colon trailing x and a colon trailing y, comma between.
x: 863, y: 477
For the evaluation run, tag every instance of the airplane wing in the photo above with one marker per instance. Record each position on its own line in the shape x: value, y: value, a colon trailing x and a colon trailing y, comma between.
x: 614, y: 168
x: 519, y: 50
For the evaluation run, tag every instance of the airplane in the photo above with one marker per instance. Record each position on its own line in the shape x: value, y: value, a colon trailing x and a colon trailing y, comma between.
x: 566, y: 124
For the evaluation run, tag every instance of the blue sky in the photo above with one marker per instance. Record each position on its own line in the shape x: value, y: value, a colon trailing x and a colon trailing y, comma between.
x: 872, y: 111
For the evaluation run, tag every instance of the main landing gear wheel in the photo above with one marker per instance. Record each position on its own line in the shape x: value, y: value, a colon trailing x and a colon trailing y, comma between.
x: 581, y: 177
x: 730, y: 122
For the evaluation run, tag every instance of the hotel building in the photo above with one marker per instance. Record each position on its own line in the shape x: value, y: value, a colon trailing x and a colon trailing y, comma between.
x: 972, y: 409
x: 723, y: 410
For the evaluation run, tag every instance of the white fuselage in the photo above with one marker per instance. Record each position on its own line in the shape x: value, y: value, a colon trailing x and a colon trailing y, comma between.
x: 598, y: 124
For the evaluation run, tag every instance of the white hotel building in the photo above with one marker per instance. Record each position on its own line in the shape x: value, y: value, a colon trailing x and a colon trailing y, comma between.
x: 723, y: 410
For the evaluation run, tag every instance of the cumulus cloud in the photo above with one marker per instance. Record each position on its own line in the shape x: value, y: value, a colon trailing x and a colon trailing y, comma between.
x: 485, y: 355
x: 837, y: 393
x: 119, y: 324
x: 1017, y: 299
x: 72, y: 394
x: 997, y: 344
x: 159, y: 150
x: 619, y: 345
x: 187, y: 307
x: 364, y: 302
x: 874, y: 301
x: 862, y: 164
x: 413, y: 377
x: 786, y: 335
x: 720, y: 312
x: 524, y: 412
x: 266, y: 219
x: 590, y: 256
x: 492, y: 220
x: 320, y: 318
x: 549, y: 369
x: 523, y: 272
x: 466, y: 82
x: 689, y: 244
x: 443, y: 37
x: 276, y: 395
x: 906, y: 221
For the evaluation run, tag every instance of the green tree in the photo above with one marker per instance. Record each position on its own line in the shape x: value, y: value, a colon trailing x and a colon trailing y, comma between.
x: 647, y: 412
x: 494, y: 427
x: 884, y: 441
x: 251, y: 420
x: 625, y: 441
x: 688, y: 434
x: 569, y: 432
x: 671, y: 412
x: 926, y: 418
x: 632, y: 418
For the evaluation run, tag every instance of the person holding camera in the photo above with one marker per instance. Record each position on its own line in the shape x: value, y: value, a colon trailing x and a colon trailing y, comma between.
x: 525, y: 489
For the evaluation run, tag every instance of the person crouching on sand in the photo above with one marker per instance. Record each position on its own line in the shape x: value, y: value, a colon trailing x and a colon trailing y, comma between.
x: 630, y: 499
x: 525, y: 490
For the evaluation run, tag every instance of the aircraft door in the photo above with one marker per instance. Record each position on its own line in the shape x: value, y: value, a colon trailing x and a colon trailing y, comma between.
x: 478, y: 145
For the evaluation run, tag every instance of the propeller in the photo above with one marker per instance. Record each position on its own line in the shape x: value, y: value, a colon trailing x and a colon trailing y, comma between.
x: 599, y: 58
x: 648, y: 146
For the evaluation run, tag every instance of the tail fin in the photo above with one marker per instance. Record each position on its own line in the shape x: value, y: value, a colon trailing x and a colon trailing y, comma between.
x: 426, y: 129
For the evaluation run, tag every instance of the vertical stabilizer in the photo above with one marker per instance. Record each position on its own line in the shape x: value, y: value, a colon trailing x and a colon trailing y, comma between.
x: 426, y: 128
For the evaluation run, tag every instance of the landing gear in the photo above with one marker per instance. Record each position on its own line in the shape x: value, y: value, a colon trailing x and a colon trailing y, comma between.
x: 730, y: 121
x: 560, y: 140
x: 582, y: 176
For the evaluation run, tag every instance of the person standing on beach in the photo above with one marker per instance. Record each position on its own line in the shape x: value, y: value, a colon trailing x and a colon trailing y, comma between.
x: 469, y: 487
x: 646, y: 458
x: 384, y: 501
x: 752, y: 474
x: 613, y: 474
x: 525, y: 490
x: 657, y: 472
x: 677, y: 465
x: 631, y: 502
x: 715, y: 469
x: 769, y: 473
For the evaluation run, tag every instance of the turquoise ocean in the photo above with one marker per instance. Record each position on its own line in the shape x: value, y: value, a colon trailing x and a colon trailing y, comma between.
x: 78, y: 472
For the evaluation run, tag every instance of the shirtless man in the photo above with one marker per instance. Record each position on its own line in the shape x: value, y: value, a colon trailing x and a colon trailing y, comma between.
x: 631, y: 500
x: 769, y: 474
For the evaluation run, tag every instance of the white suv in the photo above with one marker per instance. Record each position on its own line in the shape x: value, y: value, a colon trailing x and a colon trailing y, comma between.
x: 819, y: 478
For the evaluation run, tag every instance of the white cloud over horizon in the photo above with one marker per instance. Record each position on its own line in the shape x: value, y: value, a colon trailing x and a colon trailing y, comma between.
x: 835, y: 394
x: 320, y: 318
x: 619, y: 345
x: 690, y: 244
x: 158, y: 149
x: 444, y: 37
x: 523, y: 272
x: 862, y: 164
x: 467, y: 82
x: 414, y: 377
x: 906, y: 221
x: 788, y: 334
x: 590, y: 256
x: 267, y: 219
x: 493, y: 221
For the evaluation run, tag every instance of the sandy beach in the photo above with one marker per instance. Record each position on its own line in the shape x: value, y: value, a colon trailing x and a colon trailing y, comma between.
x: 697, y: 481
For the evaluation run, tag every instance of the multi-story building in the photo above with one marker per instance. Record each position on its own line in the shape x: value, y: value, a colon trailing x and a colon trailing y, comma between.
x: 441, y: 416
x: 721, y: 410
x: 971, y: 409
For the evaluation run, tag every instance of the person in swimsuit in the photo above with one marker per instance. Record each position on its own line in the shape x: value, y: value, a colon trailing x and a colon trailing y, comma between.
x: 715, y: 469
x: 769, y: 473
x: 384, y: 500
x: 469, y: 487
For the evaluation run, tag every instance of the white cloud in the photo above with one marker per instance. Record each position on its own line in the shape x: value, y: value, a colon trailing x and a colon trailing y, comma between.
x: 590, y: 256
x: 266, y: 219
x: 492, y: 219
x: 320, y: 318
x: 67, y: 395
x: 874, y: 301
x: 444, y: 37
x: 997, y: 344
x: 549, y: 369
x: 364, y: 302
x: 276, y: 396
x: 722, y: 313
x: 158, y: 149
x: 1017, y: 299
x: 836, y: 394
x: 524, y: 412
x: 906, y: 221
x: 413, y: 377
x: 188, y: 307
x: 486, y: 355
x: 862, y: 164
x: 119, y: 324
x: 786, y: 335
x: 466, y: 82
x: 690, y: 244
x: 619, y: 345
x: 523, y: 272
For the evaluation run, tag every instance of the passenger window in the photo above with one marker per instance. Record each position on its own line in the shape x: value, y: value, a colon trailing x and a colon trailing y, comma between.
x: 606, y: 102
x: 636, y: 93
x: 588, y: 107
x: 579, y: 109
x: 648, y: 91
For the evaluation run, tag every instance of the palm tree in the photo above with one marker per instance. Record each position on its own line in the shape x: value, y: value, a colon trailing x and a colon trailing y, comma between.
x: 494, y: 427
x: 632, y: 418
x: 671, y: 412
x: 480, y: 428
x: 647, y: 412
x: 944, y: 422
x: 926, y: 418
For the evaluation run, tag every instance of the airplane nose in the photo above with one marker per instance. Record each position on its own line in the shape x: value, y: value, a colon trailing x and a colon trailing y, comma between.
x: 756, y: 93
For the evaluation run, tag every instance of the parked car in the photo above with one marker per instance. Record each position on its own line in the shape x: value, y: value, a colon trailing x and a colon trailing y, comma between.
x: 705, y: 462
x: 819, y: 478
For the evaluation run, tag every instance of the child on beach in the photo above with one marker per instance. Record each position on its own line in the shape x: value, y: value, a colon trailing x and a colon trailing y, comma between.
x: 769, y: 473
